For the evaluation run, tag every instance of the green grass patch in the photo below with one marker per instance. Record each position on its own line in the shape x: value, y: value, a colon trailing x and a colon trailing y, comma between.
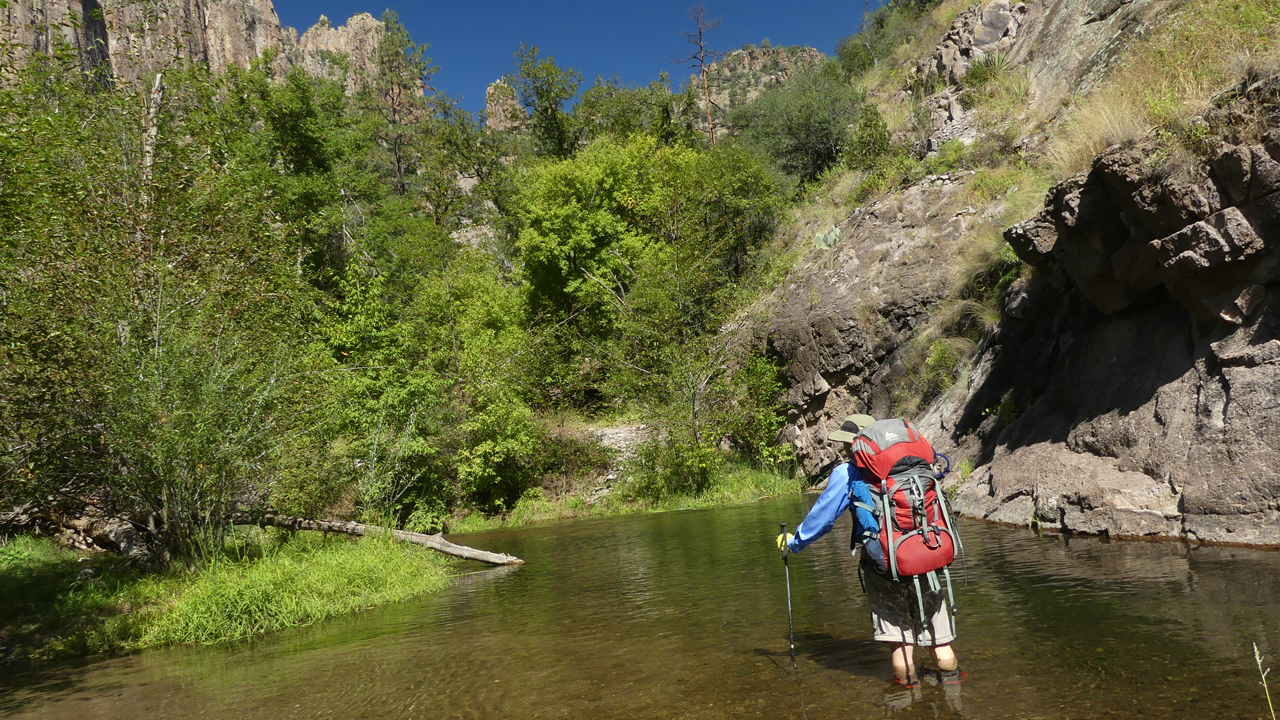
x: 267, y: 582
x: 952, y: 155
x: 304, y: 581
x: 733, y: 483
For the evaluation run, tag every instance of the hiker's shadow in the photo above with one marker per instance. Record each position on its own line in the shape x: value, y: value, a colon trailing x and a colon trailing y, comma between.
x: 856, y: 656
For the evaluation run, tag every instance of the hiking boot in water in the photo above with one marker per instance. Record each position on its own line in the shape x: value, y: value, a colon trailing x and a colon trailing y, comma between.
x: 911, y: 683
x: 898, y: 700
x: 951, y: 688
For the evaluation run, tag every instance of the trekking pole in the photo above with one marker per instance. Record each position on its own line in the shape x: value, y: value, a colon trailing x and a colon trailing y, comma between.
x: 791, y: 632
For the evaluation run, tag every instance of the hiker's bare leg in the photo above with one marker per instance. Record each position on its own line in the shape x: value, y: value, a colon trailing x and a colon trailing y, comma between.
x: 903, y: 664
x: 945, y: 657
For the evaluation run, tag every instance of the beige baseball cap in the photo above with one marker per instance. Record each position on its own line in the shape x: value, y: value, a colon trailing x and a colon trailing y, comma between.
x: 850, y: 427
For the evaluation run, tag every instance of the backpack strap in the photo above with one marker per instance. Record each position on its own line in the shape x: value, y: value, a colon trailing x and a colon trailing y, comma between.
x: 887, y: 526
x: 925, y: 624
x: 856, y: 504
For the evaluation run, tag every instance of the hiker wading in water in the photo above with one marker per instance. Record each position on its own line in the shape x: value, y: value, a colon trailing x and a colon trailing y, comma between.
x: 889, y: 469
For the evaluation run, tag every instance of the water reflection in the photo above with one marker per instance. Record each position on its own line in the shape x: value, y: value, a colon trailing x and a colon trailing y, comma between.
x: 684, y: 615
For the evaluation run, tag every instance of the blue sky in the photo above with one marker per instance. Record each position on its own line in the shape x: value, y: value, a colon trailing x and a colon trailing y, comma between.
x: 472, y: 40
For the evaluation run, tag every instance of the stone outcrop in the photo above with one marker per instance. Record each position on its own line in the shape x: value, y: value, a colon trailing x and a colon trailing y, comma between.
x: 129, y: 40
x: 980, y: 31
x: 1122, y: 230
x: 356, y: 41
x: 502, y: 111
x: 132, y: 39
x: 741, y: 75
x: 842, y: 322
x: 1065, y: 46
x: 1135, y: 390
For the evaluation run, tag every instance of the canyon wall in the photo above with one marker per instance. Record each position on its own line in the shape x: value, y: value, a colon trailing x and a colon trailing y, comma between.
x: 128, y: 40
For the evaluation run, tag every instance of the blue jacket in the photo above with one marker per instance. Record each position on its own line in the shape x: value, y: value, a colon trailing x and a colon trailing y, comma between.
x: 833, y: 502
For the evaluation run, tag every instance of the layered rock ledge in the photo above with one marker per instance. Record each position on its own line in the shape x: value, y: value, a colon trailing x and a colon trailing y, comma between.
x: 1133, y: 387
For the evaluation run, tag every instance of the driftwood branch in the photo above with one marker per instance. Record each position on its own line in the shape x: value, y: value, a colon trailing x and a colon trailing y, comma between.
x: 435, y: 542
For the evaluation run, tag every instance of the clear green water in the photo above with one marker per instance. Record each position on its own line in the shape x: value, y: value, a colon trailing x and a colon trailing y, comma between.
x: 684, y: 615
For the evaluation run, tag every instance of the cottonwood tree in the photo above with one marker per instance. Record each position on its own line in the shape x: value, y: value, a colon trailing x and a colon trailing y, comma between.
x: 702, y: 58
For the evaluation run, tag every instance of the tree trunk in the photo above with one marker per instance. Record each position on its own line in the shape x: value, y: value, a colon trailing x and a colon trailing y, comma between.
x: 149, y: 137
x: 706, y: 93
x: 435, y: 542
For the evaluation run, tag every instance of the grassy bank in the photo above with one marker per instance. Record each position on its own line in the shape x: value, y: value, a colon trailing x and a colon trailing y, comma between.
x: 57, y: 603
x: 51, y: 608
x: 734, y: 484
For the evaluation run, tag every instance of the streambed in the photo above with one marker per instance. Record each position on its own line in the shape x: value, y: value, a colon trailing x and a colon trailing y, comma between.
x: 683, y: 614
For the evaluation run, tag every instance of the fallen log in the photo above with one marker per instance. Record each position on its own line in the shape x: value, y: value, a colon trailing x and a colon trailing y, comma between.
x: 435, y: 542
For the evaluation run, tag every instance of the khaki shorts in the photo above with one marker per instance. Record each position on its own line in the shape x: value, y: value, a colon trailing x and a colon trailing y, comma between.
x: 895, y: 611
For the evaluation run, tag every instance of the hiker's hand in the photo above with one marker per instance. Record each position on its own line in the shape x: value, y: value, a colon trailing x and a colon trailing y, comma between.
x: 783, y: 540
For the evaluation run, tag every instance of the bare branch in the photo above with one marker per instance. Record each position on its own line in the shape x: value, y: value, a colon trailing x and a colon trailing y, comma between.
x: 702, y: 58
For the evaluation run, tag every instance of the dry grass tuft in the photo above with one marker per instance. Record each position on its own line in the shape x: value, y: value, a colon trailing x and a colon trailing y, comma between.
x: 888, y: 77
x: 1168, y: 77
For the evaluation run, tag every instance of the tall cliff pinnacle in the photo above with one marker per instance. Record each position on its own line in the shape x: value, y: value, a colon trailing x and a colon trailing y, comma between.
x: 129, y: 40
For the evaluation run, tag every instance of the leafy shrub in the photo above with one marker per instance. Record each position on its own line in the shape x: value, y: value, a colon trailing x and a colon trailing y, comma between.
x: 758, y: 416
x: 855, y: 56
x: 892, y: 169
x: 566, y: 460
x: 611, y: 108
x: 951, y: 155
x: 932, y: 374
x: 802, y: 125
x: 155, y: 348
x: 999, y: 146
x: 890, y: 27
x: 870, y: 139
x: 674, y: 465
x: 637, y: 247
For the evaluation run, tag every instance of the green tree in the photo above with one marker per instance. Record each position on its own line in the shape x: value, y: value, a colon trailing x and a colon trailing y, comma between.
x: 544, y: 88
x: 156, y: 340
x: 638, y: 248
x: 396, y: 92
x: 612, y: 108
x: 870, y: 139
x: 802, y: 125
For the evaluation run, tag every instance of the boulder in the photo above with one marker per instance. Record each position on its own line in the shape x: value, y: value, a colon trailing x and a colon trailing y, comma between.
x: 1223, y: 237
x: 1163, y: 204
x: 1033, y: 240
x: 1050, y: 486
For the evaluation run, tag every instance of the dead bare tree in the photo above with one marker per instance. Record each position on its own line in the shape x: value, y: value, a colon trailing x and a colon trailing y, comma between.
x: 702, y: 58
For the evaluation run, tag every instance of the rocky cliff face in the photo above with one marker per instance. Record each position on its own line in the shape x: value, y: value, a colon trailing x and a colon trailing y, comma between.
x: 1064, y: 47
x: 845, y: 316
x: 1138, y: 368
x: 357, y: 41
x: 502, y: 111
x: 740, y: 76
x: 1130, y: 387
x: 841, y: 323
x: 129, y: 40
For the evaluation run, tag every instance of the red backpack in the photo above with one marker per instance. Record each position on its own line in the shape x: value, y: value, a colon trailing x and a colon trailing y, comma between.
x: 916, y: 531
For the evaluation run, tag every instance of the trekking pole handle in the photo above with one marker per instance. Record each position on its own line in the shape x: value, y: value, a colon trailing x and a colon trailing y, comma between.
x: 782, y: 550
